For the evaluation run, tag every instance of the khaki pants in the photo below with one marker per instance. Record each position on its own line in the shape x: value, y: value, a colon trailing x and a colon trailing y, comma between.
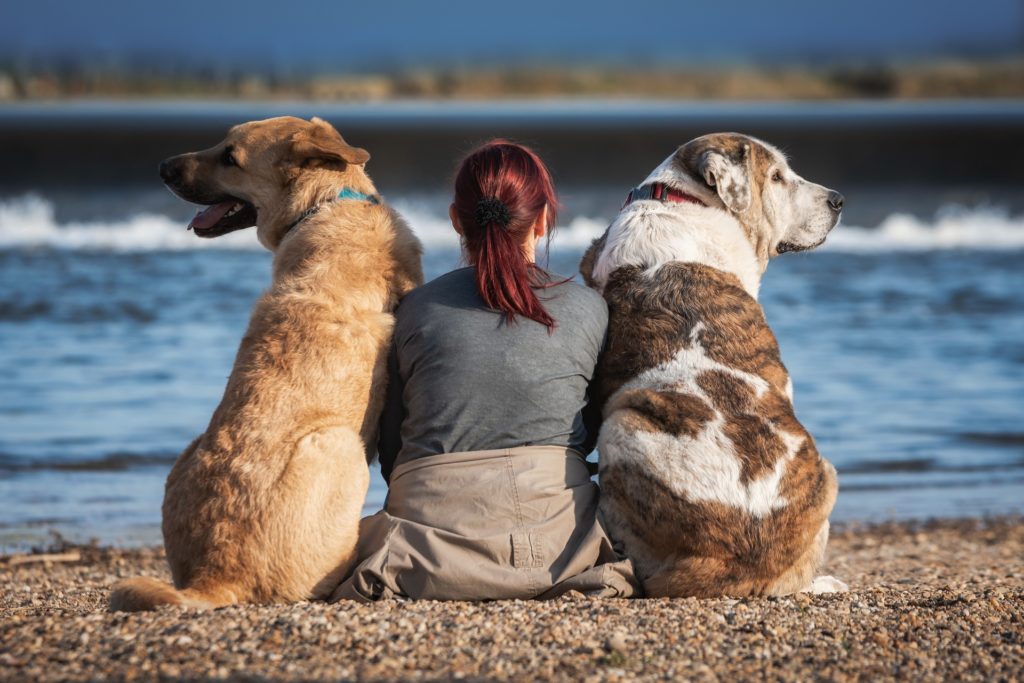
x: 487, y: 525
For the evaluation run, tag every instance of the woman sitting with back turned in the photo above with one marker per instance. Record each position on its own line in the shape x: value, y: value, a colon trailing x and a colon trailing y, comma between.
x: 486, y: 423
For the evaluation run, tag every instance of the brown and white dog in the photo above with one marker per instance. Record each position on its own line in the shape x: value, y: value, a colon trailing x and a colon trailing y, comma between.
x: 708, y: 480
x: 265, y: 505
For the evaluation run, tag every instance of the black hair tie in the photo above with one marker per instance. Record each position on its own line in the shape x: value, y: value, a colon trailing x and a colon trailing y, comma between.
x: 492, y: 210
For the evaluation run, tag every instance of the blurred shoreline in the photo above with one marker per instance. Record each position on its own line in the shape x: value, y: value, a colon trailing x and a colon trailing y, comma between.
x: 917, y: 154
x: 950, y: 78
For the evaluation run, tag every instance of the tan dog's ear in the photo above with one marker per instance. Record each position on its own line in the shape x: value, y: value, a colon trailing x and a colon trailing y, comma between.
x: 322, y: 144
x: 723, y: 162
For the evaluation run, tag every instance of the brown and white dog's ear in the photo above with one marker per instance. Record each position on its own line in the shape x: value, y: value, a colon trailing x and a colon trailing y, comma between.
x: 723, y: 162
x: 322, y: 144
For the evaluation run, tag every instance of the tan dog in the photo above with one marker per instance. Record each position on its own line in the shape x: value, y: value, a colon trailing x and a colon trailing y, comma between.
x: 264, y: 506
x: 708, y: 479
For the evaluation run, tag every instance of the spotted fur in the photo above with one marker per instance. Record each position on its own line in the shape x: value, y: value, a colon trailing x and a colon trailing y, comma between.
x: 710, y: 482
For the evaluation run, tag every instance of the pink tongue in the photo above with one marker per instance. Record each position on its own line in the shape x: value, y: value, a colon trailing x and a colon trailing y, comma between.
x: 208, y: 217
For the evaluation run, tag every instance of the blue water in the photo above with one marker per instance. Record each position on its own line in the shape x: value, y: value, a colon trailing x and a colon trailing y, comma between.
x: 905, y: 343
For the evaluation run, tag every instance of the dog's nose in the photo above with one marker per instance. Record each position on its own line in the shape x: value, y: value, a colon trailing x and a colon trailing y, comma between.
x: 169, y: 171
x: 835, y: 201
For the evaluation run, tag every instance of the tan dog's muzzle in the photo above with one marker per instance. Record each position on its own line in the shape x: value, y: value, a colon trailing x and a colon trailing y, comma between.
x: 224, y: 213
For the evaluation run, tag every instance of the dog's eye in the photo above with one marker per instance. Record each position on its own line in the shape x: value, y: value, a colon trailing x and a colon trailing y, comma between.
x: 777, y: 176
x: 228, y: 158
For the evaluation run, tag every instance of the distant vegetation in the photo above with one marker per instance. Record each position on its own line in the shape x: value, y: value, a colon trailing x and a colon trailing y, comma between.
x: 932, y: 80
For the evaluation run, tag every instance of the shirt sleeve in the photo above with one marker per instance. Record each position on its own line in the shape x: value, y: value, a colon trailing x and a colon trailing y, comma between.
x: 389, y: 441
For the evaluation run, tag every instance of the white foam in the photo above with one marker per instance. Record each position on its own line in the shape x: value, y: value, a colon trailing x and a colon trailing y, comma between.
x: 435, y: 230
x: 954, y: 227
x: 430, y: 223
x: 29, y: 222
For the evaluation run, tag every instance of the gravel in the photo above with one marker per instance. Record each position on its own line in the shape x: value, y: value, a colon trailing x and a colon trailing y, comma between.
x: 928, y: 601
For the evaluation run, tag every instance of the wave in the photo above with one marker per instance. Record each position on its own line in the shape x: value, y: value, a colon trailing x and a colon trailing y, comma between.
x: 111, y: 462
x: 30, y: 223
x: 954, y: 227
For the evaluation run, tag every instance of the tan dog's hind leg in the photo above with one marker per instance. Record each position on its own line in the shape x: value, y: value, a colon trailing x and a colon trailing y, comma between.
x: 307, y: 539
x: 316, y: 520
x: 148, y: 593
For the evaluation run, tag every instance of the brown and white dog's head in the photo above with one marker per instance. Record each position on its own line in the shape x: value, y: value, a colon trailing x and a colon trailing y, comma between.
x: 752, y: 180
x: 264, y: 173
x: 749, y: 180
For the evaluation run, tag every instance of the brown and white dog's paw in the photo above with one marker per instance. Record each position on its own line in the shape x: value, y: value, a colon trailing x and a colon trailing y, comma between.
x: 826, y: 584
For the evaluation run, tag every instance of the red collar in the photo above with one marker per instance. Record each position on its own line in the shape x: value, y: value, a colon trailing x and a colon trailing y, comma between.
x: 662, y: 193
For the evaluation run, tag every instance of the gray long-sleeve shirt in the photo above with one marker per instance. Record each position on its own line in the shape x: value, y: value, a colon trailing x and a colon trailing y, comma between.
x: 463, y: 379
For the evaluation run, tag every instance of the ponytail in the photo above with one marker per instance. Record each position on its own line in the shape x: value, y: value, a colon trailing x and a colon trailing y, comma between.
x: 501, y: 190
x: 504, y: 278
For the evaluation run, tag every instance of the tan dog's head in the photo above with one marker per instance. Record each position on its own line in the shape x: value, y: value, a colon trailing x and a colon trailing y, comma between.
x: 779, y: 210
x: 264, y: 173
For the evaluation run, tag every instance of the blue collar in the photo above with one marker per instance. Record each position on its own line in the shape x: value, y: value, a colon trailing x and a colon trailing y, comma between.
x: 344, y: 193
x: 349, y: 193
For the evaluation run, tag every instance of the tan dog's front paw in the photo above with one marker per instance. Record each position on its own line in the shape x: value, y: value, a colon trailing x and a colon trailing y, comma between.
x: 826, y: 584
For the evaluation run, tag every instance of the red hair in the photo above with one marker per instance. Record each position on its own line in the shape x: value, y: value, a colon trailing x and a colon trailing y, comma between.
x: 517, y: 178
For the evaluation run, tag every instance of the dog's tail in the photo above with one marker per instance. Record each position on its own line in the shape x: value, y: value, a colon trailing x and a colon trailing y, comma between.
x: 699, y: 577
x: 147, y: 593
x: 712, y: 577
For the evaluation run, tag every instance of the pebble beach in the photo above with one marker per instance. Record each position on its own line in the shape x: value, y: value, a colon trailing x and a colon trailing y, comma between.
x: 928, y: 601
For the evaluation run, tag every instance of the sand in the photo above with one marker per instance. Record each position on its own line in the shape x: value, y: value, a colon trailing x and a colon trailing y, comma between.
x: 928, y: 601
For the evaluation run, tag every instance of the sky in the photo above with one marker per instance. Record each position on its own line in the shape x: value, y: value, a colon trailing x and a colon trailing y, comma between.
x: 344, y: 36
